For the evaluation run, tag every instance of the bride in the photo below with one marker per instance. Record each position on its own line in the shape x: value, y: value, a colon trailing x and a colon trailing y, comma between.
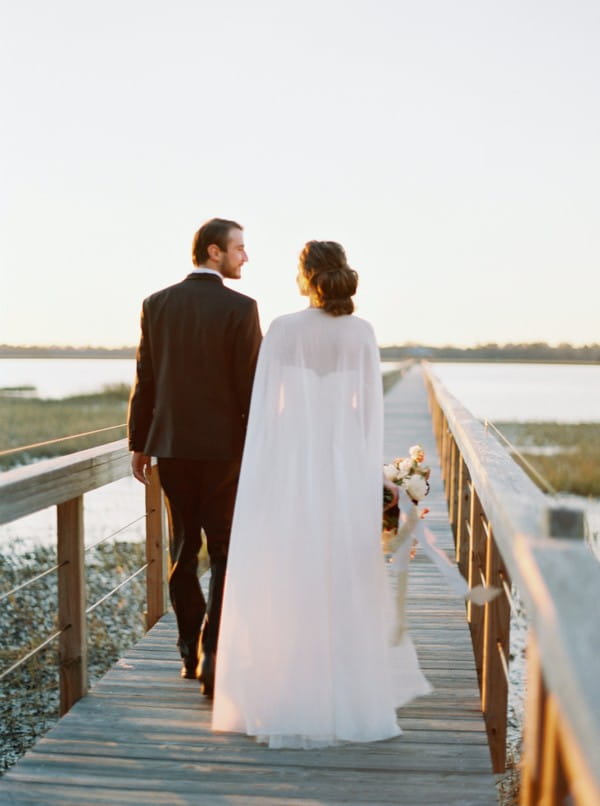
x: 304, y: 656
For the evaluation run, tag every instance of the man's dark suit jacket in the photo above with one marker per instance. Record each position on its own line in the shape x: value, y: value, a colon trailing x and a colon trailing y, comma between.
x: 195, y: 366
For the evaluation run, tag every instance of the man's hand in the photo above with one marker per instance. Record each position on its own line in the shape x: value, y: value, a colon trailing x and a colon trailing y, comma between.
x: 141, y: 467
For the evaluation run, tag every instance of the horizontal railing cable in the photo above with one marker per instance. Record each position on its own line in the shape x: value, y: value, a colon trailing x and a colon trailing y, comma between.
x: 503, y: 662
x: 118, y: 531
x: 122, y: 584
x: 31, y: 581
x: 60, y: 439
x: 89, y: 610
x: 535, y: 473
x: 33, y: 652
x: 48, y: 571
x: 508, y: 594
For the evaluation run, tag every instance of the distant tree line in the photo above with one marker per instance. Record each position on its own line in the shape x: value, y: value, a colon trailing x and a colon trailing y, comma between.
x: 19, y: 351
x: 538, y: 351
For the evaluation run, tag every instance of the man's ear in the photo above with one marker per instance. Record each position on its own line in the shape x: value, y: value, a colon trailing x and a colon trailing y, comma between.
x: 213, y: 251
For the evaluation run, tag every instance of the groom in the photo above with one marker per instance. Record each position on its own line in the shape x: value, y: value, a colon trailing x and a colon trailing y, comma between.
x: 189, y: 407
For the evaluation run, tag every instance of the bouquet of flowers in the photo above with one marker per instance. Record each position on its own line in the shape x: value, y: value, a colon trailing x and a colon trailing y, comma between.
x: 409, y: 474
x: 412, y: 478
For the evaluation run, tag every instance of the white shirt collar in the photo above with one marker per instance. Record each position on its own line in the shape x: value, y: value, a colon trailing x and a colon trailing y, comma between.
x: 204, y: 270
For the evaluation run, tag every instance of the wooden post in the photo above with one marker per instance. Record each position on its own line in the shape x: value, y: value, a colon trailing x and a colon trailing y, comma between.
x: 439, y: 431
x: 156, y: 554
x: 463, y: 495
x: 496, y: 629
x: 433, y: 408
x: 71, y: 603
x: 533, y: 729
x: 445, y: 436
x: 453, y: 469
x: 477, y: 562
x: 448, y: 464
x: 429, y: 399
x: 553, y: 784
x: 553, y: 767
x: 439, y: 423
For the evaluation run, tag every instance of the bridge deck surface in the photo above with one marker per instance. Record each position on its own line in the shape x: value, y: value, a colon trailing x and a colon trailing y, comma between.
x: 143, y: 735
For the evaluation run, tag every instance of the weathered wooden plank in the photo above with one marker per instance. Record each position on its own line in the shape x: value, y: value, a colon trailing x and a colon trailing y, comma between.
x: 400, y: 755
x: 328, y: 785
x: 40, y: 793
x: 186, y: 732
x: 424, y: 790
x: 54, y: 481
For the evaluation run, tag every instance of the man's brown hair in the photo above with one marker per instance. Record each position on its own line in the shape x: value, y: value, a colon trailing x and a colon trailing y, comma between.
x: 216, y: 231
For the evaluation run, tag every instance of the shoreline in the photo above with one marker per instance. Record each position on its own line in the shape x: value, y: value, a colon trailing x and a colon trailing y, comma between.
x: 130, y: 355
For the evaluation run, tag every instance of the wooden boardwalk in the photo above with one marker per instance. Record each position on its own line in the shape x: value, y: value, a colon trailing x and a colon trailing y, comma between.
x: 143, y: 735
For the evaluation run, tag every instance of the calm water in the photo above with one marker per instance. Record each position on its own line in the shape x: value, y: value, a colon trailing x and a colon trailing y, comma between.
x: 60, y: 377
x: 525, y: 392
x: 562, y: 392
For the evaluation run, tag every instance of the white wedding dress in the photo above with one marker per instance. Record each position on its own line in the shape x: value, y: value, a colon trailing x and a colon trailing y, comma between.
x: 304, y: 656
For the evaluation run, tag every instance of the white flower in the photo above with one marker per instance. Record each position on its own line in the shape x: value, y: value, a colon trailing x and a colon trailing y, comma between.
x: 404, y: 467
x: 417, y: 453
x: 390, y: 473
x: 416, y: 487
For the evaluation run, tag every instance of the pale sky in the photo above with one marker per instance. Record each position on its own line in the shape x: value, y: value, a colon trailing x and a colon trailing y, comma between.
x: 451, y: 146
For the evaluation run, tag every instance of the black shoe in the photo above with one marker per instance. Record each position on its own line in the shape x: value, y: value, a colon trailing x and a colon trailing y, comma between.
x: 189, y: 658
x: 207, y: 674
x: 189, y: 669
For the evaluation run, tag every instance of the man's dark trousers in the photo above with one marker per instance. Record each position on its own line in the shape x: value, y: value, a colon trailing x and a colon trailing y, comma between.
x: 200, y: 495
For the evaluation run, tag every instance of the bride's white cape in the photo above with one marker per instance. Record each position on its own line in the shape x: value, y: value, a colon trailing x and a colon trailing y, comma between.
x: 305, y: 656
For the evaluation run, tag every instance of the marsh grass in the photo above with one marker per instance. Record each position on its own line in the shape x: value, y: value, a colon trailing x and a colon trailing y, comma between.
x: 29, y: 696
x: 571, y: 461
x: 29, y: 420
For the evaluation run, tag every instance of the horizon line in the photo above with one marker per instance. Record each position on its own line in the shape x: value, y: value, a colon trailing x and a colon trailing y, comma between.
x: 405, y: 345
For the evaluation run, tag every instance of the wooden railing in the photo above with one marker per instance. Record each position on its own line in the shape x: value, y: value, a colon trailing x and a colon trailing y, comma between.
x: 62, y: 482
x: 507, y: 531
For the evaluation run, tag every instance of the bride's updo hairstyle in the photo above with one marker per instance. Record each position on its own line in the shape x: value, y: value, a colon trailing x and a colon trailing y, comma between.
x: 329, y: 281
